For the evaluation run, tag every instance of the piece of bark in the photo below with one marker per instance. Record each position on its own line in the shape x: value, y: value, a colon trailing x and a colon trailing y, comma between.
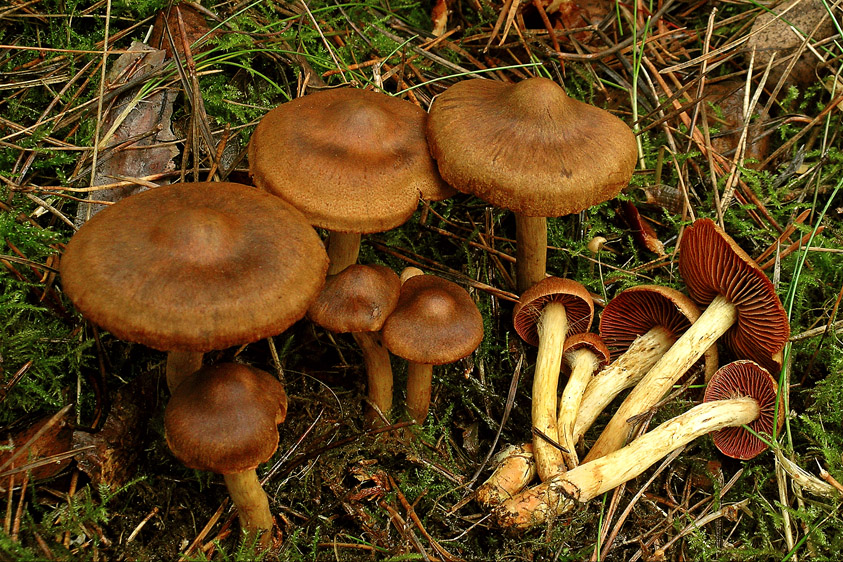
x: 116, y: 446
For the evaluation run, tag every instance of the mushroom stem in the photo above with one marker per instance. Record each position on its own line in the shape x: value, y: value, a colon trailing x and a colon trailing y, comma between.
x: 712, y: 323
x: 419, y: 377
x: 343, y: 249
x: 379, y: 372
x: 180, y: 365
x: 530, y: 251
x: 516, y: 468
x: 624, y: 372
x: 252, y: 505
x: 583, y: 364
x: 562, y: 492
x: 552, y: 329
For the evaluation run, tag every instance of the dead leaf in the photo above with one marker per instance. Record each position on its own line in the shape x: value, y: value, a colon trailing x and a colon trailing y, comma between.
x: 195, y: 27
x: 439, y: 17
x: 642, y: 232
x: 728, y: 97
x: 54, y: 441
x: 113, y: 456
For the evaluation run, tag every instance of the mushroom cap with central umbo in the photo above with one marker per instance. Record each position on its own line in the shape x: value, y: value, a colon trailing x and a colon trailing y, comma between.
x: 351, y: 160
x: 195, y: 267
x: 712, y: 263
x: 223, y: 418
x: 528, y: 147
x: 435, y: 322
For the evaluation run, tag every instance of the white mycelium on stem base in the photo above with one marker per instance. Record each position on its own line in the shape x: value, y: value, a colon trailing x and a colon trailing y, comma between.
x: 752, y: 393
x: 742, y: 307
x: 544, y: 316
x: 638, y: 326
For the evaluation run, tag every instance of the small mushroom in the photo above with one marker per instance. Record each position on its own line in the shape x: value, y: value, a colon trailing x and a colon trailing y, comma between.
x: 638, y: 326
x: 751, y: 400
x: 435, y: 322
x: 223, y: 419
x: 358, y: 300
x: 191, y: 267
x: 353, y: 161
x: 544, y: 316
x: 586, y: 354
x: 529, y: 148
x: 742, y: 307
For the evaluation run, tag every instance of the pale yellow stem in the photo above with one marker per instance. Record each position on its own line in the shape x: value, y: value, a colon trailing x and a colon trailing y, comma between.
x: 530, y: 251
x: 562, y: 492
x: 343, y: 249
x: 252, y: 505
x: 180, y: 365
x: 583, y: 364
x: 515, y: 469
x: 379, y: 373
x: 419, y: 377
x: 552, y: 329
x: 712, y: 323
x: 624, y: 372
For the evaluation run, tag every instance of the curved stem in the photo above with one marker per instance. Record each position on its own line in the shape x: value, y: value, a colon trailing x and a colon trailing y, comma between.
x: 419, y: 377
x: 180, y: 365
x: 583, y: 364
x: 530, y: 251
x: 712, y: 323
x: 252, y: 505
x: 624, y: 372
x: 561, y: 493
x: 516, y: 468
x: 343, y: 249
x: 552, y: 328
x: 379, y: 372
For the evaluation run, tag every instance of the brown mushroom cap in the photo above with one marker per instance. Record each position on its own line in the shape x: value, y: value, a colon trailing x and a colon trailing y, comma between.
x: 579, y: 307
x: 528, y: 147
x: 435, y: 322
x: 358, y: 299
x: 591, y: 342
x: 636, y: 310
x: 223, y: 418
x: 351, y: 160
x: 745, y: 378
x: 195, y: 267
x: 711, y: 263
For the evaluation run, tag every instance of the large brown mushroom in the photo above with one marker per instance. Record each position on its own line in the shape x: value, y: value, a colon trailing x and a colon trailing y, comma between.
x: 638, y: 326
x: 748, y: 398
x: 358, y: 300
x: 353, y: 161
x: 742, y: 306
x: 435, y: 322
x: 191, y: 267
x: 544, y: 316
x: 529, y: 148
x: 223, y: 419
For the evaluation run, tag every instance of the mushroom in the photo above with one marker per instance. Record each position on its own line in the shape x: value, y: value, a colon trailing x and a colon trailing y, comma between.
x: 742, y: 306
x: 353, y: 161
x: 358, y: 300
x: 749, y: 398
x: 223, y: 419
x: 191, y: 267
x: 638, y: 326
x: 529, y: 148
x: 544, y: 316
x: 516, y: 468
x: 586, y: 354
x: 435, y: 322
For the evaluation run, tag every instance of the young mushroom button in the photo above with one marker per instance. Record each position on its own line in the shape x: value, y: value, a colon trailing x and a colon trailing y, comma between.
x: 353, y: 161
x: 192, y: 267
x: 358, y: 300
x: 223, y: 419
x: 435, y: 322
x: 529, y: 148
x: 544, y: 316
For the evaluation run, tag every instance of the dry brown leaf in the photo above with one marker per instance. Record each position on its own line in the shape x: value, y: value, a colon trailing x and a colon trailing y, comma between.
x: 53, y: 441
x: 642, y: 232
